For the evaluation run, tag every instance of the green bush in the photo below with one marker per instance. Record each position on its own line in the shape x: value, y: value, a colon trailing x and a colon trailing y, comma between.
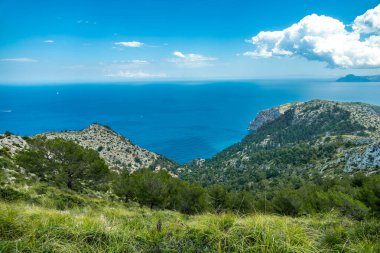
x: 8, y: 133
x: 240, y: 202
x: 9, y: 194
x: 218, y: 197
x: 160, y: 190
x: 63, y: 201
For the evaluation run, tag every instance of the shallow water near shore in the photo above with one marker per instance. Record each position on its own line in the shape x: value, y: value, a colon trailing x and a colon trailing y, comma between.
x: 182, y: 121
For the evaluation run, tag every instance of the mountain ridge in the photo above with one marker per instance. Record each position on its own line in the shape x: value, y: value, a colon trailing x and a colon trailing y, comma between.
x: 319, y: 137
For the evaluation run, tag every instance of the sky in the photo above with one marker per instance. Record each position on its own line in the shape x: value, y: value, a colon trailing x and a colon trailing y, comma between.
x: 51, y: 41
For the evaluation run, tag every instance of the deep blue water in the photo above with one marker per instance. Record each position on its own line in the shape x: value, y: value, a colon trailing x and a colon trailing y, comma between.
x: 181, y: 121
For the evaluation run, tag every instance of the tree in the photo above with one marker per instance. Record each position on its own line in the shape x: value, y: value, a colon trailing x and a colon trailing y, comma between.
x: 218, y: 197
x: 161, y: 190
x: 193, y: 199
x: 64, y: 163
x: 240, y: 202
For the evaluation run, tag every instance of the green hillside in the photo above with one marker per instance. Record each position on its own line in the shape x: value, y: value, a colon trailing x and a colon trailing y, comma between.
x: 300, y: 155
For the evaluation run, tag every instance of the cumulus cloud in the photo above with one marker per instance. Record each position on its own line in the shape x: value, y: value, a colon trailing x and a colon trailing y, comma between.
x: 136, y: 74
x: 369, y: 22
x: 19, y: 60
x: 326, y: 39
x: 49, y: 41
x: 130, y: 43
x: 191, y: 60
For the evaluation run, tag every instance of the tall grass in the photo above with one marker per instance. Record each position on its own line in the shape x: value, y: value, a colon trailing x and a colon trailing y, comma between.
x: 30, y: 228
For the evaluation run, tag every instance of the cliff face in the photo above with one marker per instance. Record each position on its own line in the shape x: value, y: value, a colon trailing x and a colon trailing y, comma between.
x: 118, y: 152
x: 270, y: 115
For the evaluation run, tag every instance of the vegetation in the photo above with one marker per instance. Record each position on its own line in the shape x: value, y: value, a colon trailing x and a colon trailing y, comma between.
x: 63, y: 163
x: 161, y: 190
x: 356, y: 197
x: 70, y: 167
x: 286, y: 165
x: 8, y: 133
x: 118, y: 228
x: 268, y: 193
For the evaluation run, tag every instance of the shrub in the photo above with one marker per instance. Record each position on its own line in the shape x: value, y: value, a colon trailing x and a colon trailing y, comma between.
x: 8, y: 133
x: 9, y: 194
x: 218, y: 197
x: 240, y: 202
x: 63, y: 201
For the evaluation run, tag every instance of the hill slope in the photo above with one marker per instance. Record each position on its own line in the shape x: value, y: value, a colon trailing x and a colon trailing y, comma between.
x: 299, y: 140
x: 60, y: 196
x: 118, y: 152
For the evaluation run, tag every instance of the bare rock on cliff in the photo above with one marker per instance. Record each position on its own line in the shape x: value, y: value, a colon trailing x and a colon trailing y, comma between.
x: 118, y: 152
x: 271, y: 114
x: 12, y: 143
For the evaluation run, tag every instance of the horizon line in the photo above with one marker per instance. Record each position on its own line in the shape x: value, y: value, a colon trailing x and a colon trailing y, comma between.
x: 155, y: 81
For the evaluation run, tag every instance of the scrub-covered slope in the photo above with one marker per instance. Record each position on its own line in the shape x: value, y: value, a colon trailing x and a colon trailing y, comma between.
x: 299, y: 140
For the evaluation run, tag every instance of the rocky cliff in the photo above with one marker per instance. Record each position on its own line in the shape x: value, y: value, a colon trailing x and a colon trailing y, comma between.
x: 268, y: 115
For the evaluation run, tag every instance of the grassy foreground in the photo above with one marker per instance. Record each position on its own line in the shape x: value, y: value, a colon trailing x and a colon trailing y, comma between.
x: 29, y: 228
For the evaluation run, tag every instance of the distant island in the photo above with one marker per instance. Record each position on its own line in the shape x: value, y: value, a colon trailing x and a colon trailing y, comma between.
x: 353, y: 78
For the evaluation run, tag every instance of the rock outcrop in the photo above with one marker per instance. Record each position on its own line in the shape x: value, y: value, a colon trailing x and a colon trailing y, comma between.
x: 269, y: 115
x: 118, y: 152
x: 12, y: 143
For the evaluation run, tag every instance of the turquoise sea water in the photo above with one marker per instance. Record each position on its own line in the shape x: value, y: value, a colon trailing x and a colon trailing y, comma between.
x: 182, y: 121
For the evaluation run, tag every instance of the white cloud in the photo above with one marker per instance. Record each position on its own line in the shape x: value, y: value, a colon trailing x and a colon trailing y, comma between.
x: 130, y: 43
x: 369, y: 22
x: 49, y: 41
x: 179, y: 54
x: 140, y: 62
x: 136, y: 74
x: 323, y: 38
x: 19, y: 60
x: 192, y: 60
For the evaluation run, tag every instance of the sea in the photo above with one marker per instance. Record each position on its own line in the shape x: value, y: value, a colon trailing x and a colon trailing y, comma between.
x: 180, y: 120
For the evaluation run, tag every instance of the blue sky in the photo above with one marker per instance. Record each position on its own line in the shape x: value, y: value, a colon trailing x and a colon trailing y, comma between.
x: 114, y: 40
